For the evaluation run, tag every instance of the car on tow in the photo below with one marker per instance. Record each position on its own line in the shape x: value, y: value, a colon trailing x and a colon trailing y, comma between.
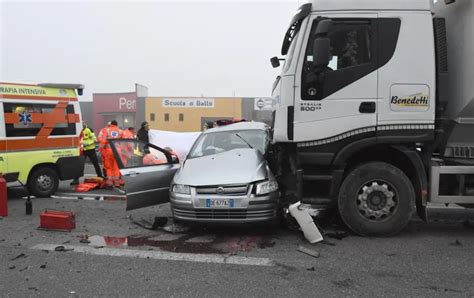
x: 223, y: 179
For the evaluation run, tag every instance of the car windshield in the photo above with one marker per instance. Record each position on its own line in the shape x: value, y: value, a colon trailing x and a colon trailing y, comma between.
x: 218, y: 142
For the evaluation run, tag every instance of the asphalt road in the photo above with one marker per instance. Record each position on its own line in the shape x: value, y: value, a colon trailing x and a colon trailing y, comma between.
x: 124, y: 259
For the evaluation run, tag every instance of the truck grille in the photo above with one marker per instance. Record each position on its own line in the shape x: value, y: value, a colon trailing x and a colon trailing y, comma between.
x: 228, y: 190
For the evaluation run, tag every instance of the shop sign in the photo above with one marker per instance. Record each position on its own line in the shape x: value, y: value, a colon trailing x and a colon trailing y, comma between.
x: 188, y: 102
x: 127, y: 104
x: 263, y: 104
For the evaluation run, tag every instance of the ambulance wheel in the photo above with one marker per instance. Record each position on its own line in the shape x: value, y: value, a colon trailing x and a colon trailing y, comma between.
x: 43, y: 182
x: 376, y: 199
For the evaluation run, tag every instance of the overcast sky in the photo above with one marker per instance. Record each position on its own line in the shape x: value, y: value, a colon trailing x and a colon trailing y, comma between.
x: 175, y: 48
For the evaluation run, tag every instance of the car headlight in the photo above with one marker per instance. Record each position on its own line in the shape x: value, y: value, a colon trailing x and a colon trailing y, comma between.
x: 266, y: 187
x: 182, y: 189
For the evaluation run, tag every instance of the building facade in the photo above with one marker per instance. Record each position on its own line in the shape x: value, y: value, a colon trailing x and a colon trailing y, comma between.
x: 181, y: 114
x: 127, y: 108
x: 186, y: 114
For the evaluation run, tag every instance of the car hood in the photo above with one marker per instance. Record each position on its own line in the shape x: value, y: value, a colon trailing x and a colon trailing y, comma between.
x: 238, y: 166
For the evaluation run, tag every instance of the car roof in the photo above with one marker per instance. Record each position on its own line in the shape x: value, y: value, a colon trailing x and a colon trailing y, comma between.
x: 239, y: 126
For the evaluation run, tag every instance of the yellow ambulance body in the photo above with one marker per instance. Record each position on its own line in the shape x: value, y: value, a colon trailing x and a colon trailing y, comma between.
x: 40, y: 128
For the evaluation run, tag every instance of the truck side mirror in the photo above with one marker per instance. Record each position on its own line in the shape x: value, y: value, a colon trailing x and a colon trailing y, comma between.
x: 275, y: 62
x: 321, y: 52
x: 321, y: 45
x: 323, y: 28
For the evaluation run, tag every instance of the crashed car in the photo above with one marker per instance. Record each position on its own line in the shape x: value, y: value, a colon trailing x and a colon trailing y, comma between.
x: 224, y: 177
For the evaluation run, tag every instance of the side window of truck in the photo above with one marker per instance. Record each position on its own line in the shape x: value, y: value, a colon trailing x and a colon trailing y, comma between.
x: 351, y: 47
x: 27, y: 119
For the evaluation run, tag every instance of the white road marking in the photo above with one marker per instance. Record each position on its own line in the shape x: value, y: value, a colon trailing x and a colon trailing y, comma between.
x: 162, y: 255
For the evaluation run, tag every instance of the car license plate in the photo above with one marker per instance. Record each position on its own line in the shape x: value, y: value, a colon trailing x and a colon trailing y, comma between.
x: 220, y: 203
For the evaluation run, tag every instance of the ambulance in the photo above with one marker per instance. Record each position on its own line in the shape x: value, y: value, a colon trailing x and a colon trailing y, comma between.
x: 40, y: 126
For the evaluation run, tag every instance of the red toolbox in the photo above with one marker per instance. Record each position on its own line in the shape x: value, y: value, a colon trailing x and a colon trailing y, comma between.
x: 57, y: 220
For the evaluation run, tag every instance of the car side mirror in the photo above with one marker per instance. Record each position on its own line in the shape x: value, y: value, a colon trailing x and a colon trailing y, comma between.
x: 321, y: 52
x: 275, y: 62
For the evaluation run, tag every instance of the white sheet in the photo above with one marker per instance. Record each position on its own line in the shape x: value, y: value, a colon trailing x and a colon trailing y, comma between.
x: 180, y: 142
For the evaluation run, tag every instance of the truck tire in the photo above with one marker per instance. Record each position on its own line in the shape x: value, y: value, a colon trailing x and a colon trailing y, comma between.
x: 43, y: 182
x: 376, y: 199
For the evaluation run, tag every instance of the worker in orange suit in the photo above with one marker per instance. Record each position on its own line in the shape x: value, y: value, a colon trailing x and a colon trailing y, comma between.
x: 129, y: 133
x: 151, y: 159
x: 125, y: 149
x: 110, y: 164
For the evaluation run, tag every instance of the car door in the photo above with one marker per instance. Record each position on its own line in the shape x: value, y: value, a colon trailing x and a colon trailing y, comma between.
x: 147, y: 171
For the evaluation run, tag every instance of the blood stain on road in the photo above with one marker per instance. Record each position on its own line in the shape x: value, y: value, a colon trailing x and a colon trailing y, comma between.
x: 221, y: 245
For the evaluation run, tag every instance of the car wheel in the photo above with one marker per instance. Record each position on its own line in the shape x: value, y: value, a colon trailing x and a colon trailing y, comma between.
x: 43, y: 182
x: 376, y: 199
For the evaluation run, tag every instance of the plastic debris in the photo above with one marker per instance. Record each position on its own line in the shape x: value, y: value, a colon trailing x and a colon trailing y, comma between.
x: 305, y: 221
x: 308, y: 251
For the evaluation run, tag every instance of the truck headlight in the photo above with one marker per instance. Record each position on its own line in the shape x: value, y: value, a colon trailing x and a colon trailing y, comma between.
x: 182, y: 189
x: 266, y: 187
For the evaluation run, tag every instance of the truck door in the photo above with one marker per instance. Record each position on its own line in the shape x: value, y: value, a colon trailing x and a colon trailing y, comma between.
x: 337, y: 102
x: 147, y: 171
x: 406, y: 86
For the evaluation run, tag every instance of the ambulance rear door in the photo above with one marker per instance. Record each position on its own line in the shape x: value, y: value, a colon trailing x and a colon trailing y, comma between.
x: 3, y: 142
x: 147, y: 171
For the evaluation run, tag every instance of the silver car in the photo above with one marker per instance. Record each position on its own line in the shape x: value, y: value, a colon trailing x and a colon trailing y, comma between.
x: 224, y: 178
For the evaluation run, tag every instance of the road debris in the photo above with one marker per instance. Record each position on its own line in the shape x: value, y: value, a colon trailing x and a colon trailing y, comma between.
x: 339, y: 235
x: 22, y: 255
x: 61, y: 248
x: 308, y: 251
x: 176, y: 228
x: 310, y: 231
x: 456, y: 243
x: 84, y: 239
x: 54, y: 220
x: 329, y: 243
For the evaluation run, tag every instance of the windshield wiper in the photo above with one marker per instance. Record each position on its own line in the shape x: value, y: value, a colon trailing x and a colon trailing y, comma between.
x: 243, y: 140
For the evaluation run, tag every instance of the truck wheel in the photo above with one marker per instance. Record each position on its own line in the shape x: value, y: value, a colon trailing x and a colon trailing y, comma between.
x: 376, y: 199
x: 43, y: 182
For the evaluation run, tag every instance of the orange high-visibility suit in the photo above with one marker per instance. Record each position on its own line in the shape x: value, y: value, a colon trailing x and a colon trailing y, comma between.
x: 151, y: 159
x: 110, y: 164
x: 127, y: 134
x: 125, y: 149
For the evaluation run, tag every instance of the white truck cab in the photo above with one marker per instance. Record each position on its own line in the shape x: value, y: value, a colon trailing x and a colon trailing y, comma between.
x: 364, y: 117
